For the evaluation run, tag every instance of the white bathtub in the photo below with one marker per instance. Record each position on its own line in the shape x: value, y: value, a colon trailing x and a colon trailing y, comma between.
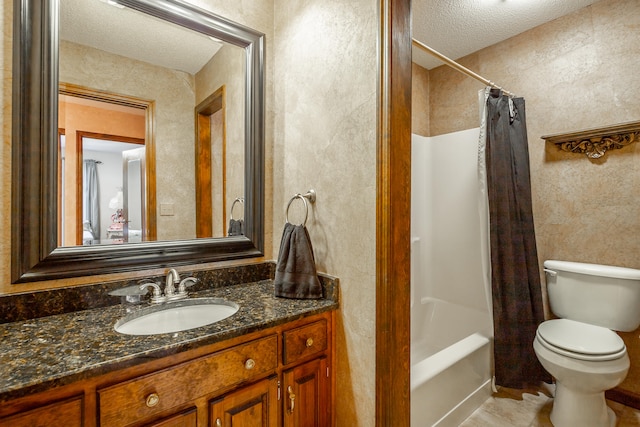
x: 450, y: 362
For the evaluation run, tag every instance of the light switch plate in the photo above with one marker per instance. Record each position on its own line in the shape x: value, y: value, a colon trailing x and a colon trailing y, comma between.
x: 166, y: 209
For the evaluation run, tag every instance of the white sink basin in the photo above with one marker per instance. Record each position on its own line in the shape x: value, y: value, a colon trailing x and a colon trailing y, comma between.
x: 176, y: 316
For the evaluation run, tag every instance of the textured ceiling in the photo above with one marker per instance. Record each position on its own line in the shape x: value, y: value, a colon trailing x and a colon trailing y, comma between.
x: 457, y: 28
x: 134, y: 35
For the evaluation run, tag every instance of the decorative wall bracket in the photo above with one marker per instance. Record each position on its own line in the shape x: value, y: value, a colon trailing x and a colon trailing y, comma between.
x: 595, y: 142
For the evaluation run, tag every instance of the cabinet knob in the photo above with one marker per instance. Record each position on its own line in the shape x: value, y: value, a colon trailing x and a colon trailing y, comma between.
x: 218, y: 422
x: 309, y: 342
x: 152, y: 400
x: 249, y: 364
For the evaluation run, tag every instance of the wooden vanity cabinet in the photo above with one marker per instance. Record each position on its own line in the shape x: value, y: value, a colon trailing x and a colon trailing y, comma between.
x: 281, y: 376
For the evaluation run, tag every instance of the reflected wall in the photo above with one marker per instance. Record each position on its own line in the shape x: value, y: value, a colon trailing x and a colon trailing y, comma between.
x: 173, y: 93
x: 222, y: 70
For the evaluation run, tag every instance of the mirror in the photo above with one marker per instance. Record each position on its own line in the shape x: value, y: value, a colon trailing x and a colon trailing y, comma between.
x: 35, y: 231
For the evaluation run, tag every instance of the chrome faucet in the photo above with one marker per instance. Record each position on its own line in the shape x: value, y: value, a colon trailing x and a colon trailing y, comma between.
x: 169, y: 287
x: 170, y: 293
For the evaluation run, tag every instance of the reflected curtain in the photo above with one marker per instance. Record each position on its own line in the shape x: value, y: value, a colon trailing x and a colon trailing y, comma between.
x: 515, y: 277
x: 90, y: 193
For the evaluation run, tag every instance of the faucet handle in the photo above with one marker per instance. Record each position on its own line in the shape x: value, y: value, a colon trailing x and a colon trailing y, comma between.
x: 185, y: 283
x: 157, y: 292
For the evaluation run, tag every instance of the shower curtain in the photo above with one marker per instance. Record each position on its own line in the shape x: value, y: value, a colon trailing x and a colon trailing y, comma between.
x: 515, y: 278
x: 90, y: 206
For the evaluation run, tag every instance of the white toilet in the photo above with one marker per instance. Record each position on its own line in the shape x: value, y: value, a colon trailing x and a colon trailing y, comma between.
x: 579, y: 349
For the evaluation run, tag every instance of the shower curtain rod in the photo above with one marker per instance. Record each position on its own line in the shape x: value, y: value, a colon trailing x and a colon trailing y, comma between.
x: 453, y: 64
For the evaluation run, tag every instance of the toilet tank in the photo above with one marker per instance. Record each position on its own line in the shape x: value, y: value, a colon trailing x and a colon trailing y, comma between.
x: 601, y: 295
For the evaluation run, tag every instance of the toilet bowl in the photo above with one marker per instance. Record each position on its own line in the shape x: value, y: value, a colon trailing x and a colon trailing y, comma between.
x: 580, y: 348
x: 585, y: 360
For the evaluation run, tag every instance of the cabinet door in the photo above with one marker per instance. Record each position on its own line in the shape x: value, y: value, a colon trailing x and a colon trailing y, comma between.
x: 255, y: 405
x: 67, y: 413
x: 306, y: 395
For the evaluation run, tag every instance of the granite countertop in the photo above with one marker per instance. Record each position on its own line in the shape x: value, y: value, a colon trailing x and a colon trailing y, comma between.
x: 38, y: 354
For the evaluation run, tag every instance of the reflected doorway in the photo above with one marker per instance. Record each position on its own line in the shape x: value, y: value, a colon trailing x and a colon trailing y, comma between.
x: 211, y: 147
x: 113, y: 202
x: 106, y: 169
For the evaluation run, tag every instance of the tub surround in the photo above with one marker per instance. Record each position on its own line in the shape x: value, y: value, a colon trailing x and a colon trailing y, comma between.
x: 456, y: 358
x: 54, y: 350
x: 451, y: 322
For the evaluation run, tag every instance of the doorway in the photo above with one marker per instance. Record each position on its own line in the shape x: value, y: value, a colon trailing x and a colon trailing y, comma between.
x: 96, y: 129
x: 117, y: 192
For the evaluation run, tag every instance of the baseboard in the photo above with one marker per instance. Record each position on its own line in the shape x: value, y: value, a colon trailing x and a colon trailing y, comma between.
x: 625, y: 397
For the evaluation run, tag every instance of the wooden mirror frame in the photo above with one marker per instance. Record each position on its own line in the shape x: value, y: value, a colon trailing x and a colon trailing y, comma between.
x: 35, y: 255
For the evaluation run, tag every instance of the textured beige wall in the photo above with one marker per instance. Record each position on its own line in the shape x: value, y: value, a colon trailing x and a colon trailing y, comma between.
x: 419, y: 100
x: 575, y: 73
x: 219, y: 224
x: 325, y: 128
x: 226, y: 69
x: 6, y: 14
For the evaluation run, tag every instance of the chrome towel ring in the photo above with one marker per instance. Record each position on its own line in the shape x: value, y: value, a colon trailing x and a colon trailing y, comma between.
x: 311, y: 195
x: 233, y: 205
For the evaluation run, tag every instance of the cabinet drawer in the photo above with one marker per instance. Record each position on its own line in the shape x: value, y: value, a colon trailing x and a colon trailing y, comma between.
x: 188, y: 418
x: 143, y: 397
x: 305, y: 341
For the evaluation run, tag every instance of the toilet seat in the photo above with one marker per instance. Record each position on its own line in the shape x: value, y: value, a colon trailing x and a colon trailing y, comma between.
x: 580, y: 340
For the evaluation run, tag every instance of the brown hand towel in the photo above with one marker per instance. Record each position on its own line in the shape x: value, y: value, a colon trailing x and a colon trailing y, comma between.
x: 296, y: 275
x: 236, y: 227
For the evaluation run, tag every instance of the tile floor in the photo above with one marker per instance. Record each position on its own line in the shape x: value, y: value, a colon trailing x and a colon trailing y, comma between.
x: 515, y: 408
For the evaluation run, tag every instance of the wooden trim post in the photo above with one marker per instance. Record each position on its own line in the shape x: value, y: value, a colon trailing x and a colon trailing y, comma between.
x: 393, y: 218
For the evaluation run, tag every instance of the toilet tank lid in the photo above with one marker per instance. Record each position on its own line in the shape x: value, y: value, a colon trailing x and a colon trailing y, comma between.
x: 593, y: 269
